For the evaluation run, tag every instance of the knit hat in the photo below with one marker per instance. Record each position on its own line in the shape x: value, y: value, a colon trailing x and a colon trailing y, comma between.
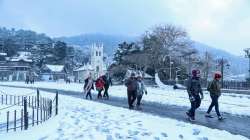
x: 217, y: 75
x: 195, y: 73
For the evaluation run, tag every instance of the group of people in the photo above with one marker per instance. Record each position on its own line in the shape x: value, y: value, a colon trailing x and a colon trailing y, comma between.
x: 135, y: 90
x: 195, y: 93
x: 102, y: 84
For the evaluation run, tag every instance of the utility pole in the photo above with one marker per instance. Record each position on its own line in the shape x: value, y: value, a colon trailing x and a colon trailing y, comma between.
x: 222, y: 62
x: 247, y: 51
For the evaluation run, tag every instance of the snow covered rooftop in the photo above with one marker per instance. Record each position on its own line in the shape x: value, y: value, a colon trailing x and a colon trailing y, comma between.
x: 25, y: 56
x: 55, y: 68
x: 84, y: 67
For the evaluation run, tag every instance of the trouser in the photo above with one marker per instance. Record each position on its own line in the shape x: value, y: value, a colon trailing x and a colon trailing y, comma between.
x: 131, y: 97
x: 106, y: 88
x: 99, y: 94
x: 194, y: 105
x: 215, y: 104
x: 89, y: 94
x: 139, y: 97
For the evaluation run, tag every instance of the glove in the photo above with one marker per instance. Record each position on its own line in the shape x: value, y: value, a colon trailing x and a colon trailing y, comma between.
x: 146, y: 92
x: 191, y: 98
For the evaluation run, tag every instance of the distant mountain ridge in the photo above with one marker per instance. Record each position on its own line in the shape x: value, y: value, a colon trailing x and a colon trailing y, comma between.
x: 239, y: 65
x: 110, y: 42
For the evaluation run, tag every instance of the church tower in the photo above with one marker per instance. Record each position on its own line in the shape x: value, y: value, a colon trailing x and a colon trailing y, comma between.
x: 97, y: 59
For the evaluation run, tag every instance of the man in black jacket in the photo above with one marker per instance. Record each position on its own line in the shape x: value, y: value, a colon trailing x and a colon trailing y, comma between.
x: 107, y: 83
x: 131, y: 85
x: 194, y: 91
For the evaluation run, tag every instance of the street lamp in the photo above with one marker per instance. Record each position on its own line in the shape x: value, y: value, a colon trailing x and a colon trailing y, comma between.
x: 222, y: 63
x: 176, y: 72
x: 170, y: 65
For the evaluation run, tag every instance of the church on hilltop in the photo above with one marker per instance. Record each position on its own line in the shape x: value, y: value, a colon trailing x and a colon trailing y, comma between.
x: 96, y: 67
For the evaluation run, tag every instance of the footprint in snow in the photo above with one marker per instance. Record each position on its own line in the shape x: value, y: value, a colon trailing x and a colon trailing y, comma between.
x: 139, y: 125
x: 43, y: 138
x: 105, y: 130
x: 156, y: 138
x: 122, y: 115
x: 118, y: 128
x: 128, y: 123
x: 164, y: 135
x: 146, y: 134
x: 181, y: 136
x: 203, y: 138
x: 79, y: 137
x: 118, y: 136
x: 196, y: 132
x: 109, y: 137
x: 133, y: 133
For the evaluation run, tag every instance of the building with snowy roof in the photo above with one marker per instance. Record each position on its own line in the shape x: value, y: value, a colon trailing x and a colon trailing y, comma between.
x: 53, y: 72
x: 15, y: 68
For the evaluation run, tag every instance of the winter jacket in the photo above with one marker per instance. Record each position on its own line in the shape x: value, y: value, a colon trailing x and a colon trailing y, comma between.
x: 131, y: 84
x: 214, y: 88
x: 99, y: 84
x: 141, y: 88
x: 194, y: 86
x: 107, y: 81
x: 88, y: 84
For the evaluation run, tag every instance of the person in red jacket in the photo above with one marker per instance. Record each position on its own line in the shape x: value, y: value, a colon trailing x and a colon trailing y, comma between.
x: 99, y: 84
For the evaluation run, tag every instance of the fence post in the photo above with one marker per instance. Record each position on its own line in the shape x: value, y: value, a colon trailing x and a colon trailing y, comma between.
x: 6, y: 99
x: 50, y: 108
x: 2, y: 99
x: 22, y: 119
x: 8, y: 121
x: 56, y: 102
x: 33, y: 116
x: 37, y: 97
x: 15, y: 120
x: 25, y: 114
x: 37, y: 115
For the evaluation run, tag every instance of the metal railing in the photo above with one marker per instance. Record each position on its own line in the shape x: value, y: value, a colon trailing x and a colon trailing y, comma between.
x: 23, y: 111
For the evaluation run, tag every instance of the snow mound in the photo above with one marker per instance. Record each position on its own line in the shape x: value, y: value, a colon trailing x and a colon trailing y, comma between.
x: 160, y: 84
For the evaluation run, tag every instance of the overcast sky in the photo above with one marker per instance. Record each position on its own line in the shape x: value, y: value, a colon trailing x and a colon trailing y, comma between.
x: 223, y: 24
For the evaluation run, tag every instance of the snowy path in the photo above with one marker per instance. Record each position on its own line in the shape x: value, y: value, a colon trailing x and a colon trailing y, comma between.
x: 231, y: 103
x: 82, y: 119
x: 233, y: 124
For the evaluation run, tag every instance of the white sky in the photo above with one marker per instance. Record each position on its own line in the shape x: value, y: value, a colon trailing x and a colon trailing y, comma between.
x: 223, y: 24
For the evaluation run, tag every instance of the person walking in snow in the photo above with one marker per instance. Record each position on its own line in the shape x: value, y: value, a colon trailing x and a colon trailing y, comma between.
x: 141, y: 89
x: 99, y: 84
x: 88, y: 85
x: 215, y: 92
x: 107, y: 83
x: 195, y: 93
x: 131, y: 84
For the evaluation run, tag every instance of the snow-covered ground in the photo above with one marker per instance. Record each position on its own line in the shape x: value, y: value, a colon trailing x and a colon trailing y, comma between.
x: 82, y: 119
x: 230, y: 103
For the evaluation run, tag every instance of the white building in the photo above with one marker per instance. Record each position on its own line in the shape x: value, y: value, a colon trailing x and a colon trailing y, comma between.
x: 52, y: 72
x: 96, y: 67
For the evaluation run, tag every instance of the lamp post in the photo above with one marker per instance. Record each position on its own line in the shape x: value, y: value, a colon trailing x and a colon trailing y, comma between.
x: 247, y: 51
x: 176, y: 74
x: 170, y: 65
x: 222, y: 63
